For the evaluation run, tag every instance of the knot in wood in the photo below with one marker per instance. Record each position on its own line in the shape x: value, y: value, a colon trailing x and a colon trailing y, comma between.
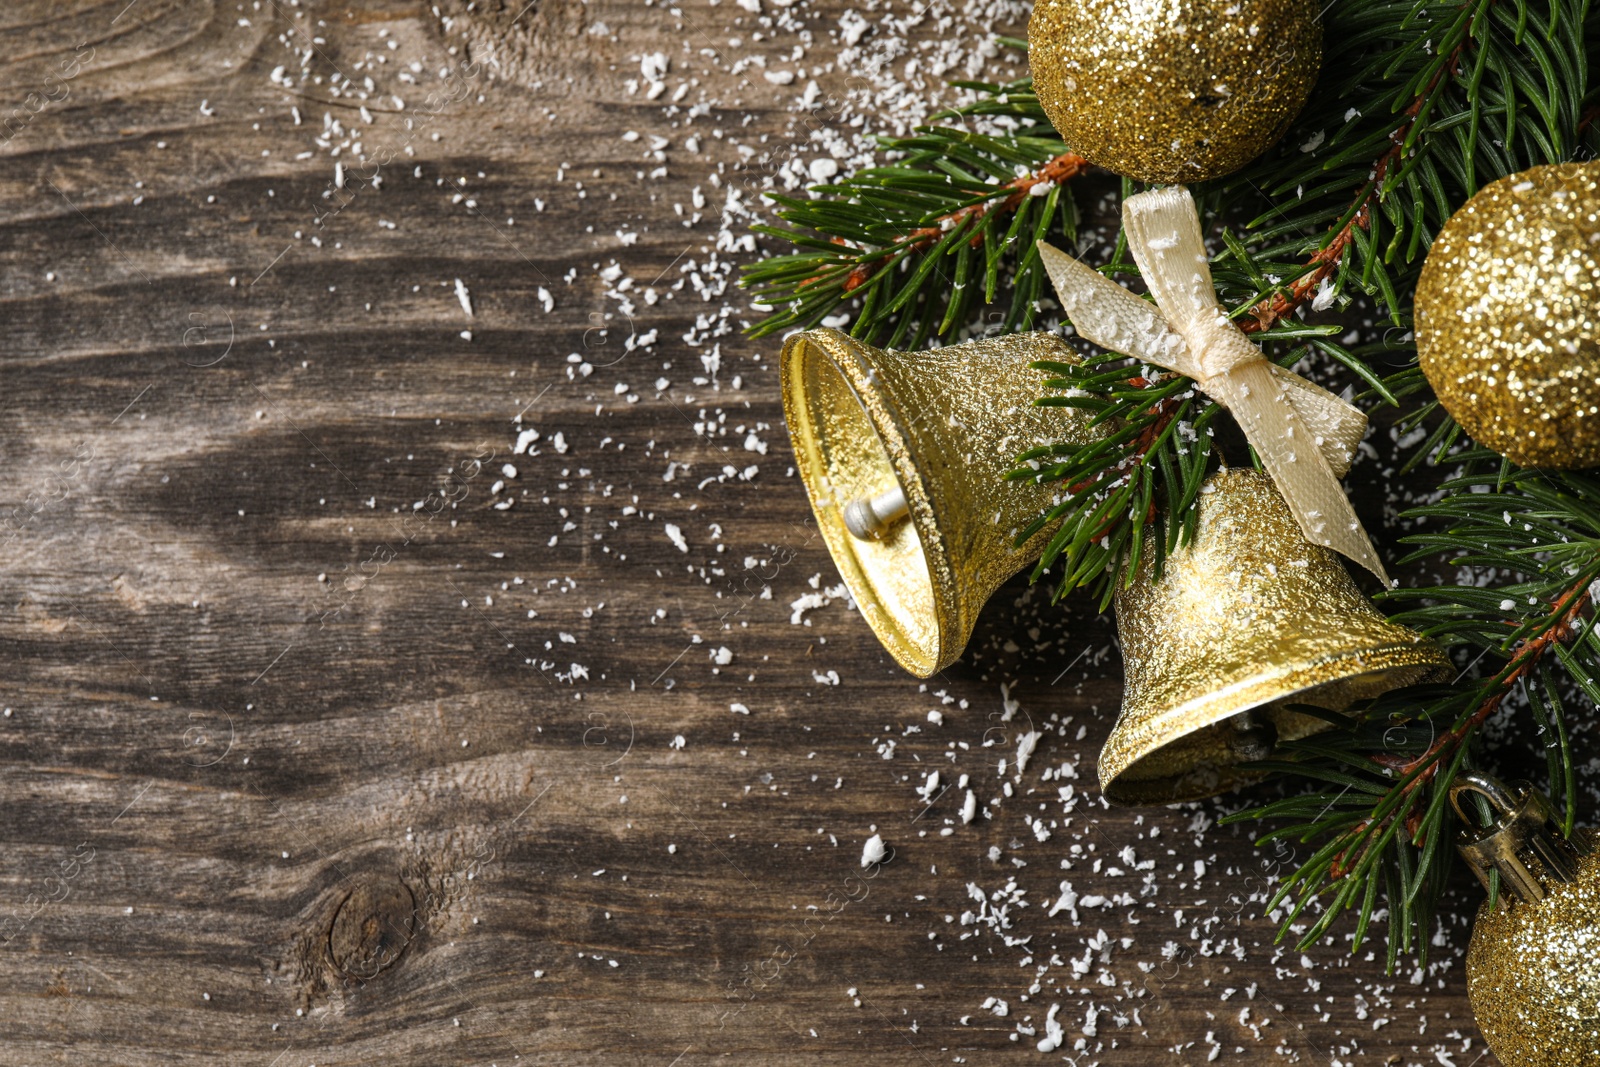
x: 372, y: 927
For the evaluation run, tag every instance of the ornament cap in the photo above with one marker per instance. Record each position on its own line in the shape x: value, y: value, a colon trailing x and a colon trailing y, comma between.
x: 1521, y: 844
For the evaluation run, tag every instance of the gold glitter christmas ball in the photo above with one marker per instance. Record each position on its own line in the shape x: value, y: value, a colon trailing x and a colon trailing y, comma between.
x: 1533, y: 972
x: 1508, y: 331
x: 1173, y: 90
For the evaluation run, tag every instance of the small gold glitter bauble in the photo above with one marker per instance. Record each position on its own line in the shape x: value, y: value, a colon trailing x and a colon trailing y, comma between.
x: 1533, y: 973
x: 1508, y: 328
x: 1173, y: 90
x: 1533, y: 967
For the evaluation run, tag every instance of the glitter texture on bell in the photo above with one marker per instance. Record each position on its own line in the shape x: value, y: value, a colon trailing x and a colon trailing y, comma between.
x: 1533, y: 967
x: 904, y: 456
x: 1247, y: 618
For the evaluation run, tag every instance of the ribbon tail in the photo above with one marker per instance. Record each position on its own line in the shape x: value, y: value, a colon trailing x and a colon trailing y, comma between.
x: 1265, y: 411
x: 1106, y: 314
x: 1336, y: 427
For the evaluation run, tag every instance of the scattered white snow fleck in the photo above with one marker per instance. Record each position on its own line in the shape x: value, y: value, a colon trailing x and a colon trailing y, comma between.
x: 873, y: 851
x: 804, y: 603
x: 1325, y: 294
x: 1054, y: 1035
x: 1025, y: 746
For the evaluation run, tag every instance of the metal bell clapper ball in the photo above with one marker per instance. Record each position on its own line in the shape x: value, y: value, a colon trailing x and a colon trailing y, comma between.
x: 904, y: 456
x: 1533, y: 966
x: 1247, y: 618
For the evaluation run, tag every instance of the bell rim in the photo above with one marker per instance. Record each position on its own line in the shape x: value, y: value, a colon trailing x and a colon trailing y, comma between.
x: 1261, y: 689
x: 844, y: 353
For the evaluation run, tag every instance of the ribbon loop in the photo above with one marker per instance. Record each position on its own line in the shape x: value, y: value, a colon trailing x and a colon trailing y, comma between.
x: 1305, y: 436
x: 1164, y: 236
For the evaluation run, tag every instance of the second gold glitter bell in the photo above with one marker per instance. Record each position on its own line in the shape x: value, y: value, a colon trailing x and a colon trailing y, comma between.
x: 904, y: 456
x: 1247, y: 618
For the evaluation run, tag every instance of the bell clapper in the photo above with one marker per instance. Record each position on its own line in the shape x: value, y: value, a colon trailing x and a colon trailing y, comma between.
x: 869, y: 518
x: 1254, y: 735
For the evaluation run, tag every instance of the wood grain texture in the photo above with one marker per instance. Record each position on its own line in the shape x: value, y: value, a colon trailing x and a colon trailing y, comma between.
x: 297, y: 771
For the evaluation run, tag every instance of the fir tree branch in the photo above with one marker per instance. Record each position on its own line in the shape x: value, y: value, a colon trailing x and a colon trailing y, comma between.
x: 1144, y: 473
x: 1416, y: 772
x: 1325, y: 262
x: 1381, y: 779
x: 1528, y: 656
x: 1419, y: 104
x: 923, y: 241
x: 1056, y: 171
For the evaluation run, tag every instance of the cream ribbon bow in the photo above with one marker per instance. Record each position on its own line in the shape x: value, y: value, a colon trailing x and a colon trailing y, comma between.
x: 1305, y: 436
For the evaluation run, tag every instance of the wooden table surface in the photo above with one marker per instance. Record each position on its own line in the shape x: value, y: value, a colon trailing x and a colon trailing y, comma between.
x: 327, y: 740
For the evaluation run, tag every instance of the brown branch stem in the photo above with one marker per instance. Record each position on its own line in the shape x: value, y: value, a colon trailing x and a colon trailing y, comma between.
x: 1058, y: 170
x: 1269, y: 311
x: 1425, y: 766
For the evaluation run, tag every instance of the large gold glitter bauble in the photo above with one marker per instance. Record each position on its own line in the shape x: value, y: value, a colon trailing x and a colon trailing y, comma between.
x: 904, y: 456
x: 1507, y: 319
x: 1533, y: 967
x: 1247, y: 618
x: 1173, y: 90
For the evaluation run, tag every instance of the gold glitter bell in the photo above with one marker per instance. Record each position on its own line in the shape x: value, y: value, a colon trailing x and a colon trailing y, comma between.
x: 1533, y: 967
x: 1179, y: 91
x: 904, y: 456
x: 1247, y: 618
x: 1508, y: 332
